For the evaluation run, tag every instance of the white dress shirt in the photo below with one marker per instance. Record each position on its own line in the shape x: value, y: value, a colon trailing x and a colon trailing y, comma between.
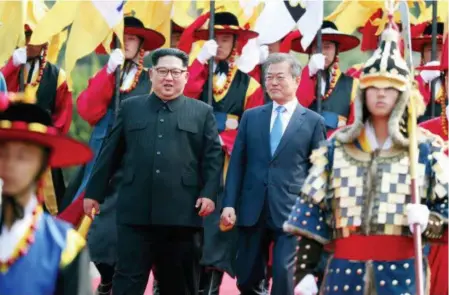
x: 286, y: 115
x: 10, y: 237
x: 371, y: 135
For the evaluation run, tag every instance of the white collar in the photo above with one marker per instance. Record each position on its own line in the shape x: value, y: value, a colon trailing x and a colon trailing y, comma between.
x: 371, y: 136
x: 11, y: 237
x: 289, y: 106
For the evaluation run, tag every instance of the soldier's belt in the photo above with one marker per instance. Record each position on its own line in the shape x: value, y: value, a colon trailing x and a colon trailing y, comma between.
x: 333, y: 120
x: 379, y: 247
x: 226, y: 121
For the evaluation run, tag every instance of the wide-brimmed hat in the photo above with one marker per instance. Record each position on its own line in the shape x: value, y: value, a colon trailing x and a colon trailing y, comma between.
x: 133, y: 26
x: 226, y: 22
x: 21, y: 120
x: 330, y: 32
x: 443, y: 66
x: 418, y: 42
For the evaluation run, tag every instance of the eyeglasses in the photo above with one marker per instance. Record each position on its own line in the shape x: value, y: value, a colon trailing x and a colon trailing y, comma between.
x: 175, y: 73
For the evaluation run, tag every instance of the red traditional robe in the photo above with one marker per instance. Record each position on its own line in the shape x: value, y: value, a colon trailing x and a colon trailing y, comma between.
x: 63, y: 105
x: 101, y: 87
x: 438, y: 257
x: 253, y: 96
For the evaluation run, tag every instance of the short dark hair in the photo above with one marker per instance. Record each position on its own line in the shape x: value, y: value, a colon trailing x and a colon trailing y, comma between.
x: 161, y: 52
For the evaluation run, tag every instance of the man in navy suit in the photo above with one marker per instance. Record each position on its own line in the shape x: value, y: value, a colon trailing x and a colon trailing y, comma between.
x: 269, y: 163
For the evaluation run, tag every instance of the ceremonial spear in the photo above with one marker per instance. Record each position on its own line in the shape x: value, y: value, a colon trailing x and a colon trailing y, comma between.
x: 210, y: 84
x: 319, y: 74
x: 413, y: 141
x: 433, y: 55
x: 117, y: 82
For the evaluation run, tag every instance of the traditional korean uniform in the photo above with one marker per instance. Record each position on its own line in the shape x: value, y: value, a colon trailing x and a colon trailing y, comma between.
x: 39, y: 254
x: 49, y: 84
x: 356, y: 193
x: 418, y: 43
x: 338, y: 89
x: 438, y: 256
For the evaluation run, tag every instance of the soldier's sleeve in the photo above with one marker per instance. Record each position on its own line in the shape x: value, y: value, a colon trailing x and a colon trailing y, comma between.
x: 93, y: 102
x: 437, y: 200
x: 62, y: 116
x: 197, y: 78
x: 308, y: 216
x: 74, y: 277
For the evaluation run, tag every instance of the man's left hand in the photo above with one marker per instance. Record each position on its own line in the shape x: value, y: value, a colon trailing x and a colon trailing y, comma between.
x: 207, y: 206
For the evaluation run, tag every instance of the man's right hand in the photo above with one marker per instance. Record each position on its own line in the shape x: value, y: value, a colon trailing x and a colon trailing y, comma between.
x: 116, y: 59
x: 90, y: 204
x: 228, y: 217
x: 208, y: 50
x: 19, y: 57
x: 307, y: 286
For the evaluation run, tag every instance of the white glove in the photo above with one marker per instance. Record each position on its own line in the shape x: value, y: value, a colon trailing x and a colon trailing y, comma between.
x: 208, y: 50
x: 19, y: 57
x: 417, y: 214
x: 316, y: 63
x: 116, y: 59
x: 428, y: 76
x: 307, y: 286
x: 263, y: 53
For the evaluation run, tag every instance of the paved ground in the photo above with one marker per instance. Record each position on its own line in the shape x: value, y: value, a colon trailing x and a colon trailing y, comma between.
x: 228, y: 287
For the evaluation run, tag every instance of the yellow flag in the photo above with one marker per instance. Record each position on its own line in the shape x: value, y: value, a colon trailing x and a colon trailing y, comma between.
x: 93, y: 22
x: 37, y: 9
x: 154, y: 15
x: 12, y: 22
x: 349, y: 15
x: 55, y: 20
x: 442, y: 13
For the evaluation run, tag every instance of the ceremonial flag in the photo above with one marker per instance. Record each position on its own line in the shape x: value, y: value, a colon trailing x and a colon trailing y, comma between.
x: 350, y: 15
x: 279, y: 18
x: 91, y: 23
x: 12, y: 22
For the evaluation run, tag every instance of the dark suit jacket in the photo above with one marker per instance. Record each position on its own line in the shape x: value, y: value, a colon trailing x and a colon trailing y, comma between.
x: 255, y: 177
x: 171, y: 156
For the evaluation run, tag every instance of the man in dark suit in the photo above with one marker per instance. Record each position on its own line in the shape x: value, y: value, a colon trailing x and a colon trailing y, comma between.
x: 172, y: 163
x: 265, y: 176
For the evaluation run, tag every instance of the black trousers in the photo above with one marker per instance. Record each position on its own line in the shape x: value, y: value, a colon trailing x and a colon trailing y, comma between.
x: 170, y: 250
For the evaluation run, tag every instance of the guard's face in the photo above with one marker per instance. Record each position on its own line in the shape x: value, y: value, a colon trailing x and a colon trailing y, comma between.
x: 20, y: 162
x: 225, y: 45
x: 132, y: 45
x: 381, y: 101
x: 175, y: 36
x: 427, y: 53
x: 280, y: 83
x: 168, y: 77
x: 329, y: 50
x: 274, y: 47
x: 33, y: 51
